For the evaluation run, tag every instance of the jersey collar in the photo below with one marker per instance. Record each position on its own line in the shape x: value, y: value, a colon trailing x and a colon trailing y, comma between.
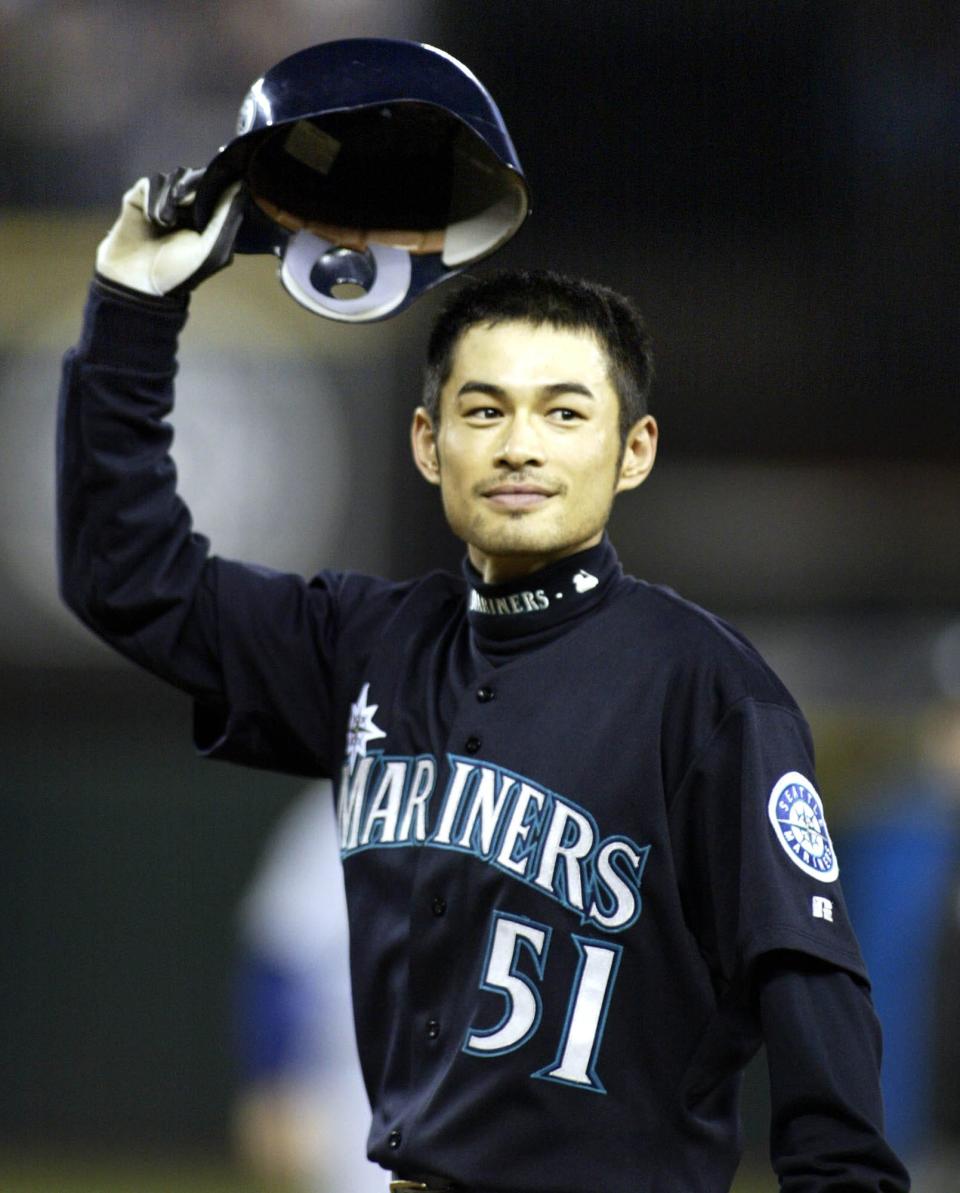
x: 535, y: 608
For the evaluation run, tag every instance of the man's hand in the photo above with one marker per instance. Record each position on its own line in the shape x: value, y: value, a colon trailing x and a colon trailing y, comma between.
x: 140, y: 255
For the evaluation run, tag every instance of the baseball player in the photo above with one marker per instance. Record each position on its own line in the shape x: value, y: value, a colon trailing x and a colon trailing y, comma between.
x: 588, y: 871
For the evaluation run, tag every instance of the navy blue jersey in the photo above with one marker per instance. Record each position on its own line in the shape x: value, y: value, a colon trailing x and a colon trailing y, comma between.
x: 578, y: 817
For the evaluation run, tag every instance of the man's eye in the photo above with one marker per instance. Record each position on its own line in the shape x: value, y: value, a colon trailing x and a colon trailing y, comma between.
x: 483, y: 413
x: 564, y: 414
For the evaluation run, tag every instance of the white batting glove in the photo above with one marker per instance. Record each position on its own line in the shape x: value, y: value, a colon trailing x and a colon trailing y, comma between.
x: 143, y: 256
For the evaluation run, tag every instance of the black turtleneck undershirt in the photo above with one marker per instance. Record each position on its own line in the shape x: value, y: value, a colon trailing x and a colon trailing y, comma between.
x: 505, y: 619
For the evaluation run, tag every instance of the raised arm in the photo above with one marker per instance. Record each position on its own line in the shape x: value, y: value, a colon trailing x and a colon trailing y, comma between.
x: 254, y: 647
x: 130, y: 565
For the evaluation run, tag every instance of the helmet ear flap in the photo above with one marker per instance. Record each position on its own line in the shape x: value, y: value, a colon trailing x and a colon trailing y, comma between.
x: 487, y: 204
x: 375, y: 169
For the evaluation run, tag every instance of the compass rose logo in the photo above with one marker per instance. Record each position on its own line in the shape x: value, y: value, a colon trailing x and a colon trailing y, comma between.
x: 796, y: 814
x: 361, y: 729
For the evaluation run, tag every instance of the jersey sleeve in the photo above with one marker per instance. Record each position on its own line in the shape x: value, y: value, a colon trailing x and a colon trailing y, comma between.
x: 755, y: 863
x: 255, y: 648
x: 275, y: 638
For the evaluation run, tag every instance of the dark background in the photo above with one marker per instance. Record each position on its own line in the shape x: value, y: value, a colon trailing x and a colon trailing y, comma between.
x: 774, y: 183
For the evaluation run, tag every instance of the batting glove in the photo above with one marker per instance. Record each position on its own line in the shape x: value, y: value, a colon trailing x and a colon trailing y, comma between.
x: 153, y: 249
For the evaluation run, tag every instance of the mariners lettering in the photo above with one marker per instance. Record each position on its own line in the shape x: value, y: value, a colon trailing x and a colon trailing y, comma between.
x: 534, y: 835
x: 505, y: 606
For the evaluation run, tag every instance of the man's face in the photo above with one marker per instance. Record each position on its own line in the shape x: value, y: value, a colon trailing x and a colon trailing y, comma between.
x: 528, y: 451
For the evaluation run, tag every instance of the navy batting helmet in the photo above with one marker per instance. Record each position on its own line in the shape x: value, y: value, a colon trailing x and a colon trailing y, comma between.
x: 374, y: 169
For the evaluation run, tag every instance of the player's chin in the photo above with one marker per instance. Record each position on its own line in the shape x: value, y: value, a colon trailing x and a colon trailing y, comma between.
x: 518, y: 535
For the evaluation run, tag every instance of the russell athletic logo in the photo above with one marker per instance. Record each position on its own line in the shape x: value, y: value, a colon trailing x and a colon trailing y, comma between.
x: 796, y: 813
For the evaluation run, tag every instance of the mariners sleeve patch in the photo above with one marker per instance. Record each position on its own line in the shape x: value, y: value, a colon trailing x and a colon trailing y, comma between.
x: 796, y: 813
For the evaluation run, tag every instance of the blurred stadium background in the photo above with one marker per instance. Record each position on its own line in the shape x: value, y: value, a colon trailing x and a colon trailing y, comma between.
x: 775, y: 183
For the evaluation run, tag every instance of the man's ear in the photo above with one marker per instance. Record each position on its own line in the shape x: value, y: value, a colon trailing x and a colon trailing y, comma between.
x: 423, y: 442
x: 639, y: 453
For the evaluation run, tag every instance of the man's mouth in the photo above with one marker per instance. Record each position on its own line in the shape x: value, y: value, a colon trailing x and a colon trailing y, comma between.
x: 520, y: 495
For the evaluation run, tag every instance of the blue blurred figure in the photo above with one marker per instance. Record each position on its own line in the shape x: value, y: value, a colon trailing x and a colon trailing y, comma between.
x: 901, y: 875
x: 302, y: 1115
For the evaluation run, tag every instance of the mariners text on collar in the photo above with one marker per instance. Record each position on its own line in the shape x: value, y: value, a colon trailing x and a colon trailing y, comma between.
x: 516, y: 602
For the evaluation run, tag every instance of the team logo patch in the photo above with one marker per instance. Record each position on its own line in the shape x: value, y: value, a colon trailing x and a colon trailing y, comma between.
x: 796, y: 813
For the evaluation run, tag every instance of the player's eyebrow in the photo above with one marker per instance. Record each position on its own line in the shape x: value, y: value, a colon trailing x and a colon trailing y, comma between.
x: 497, y: 391
x: 480, y: 387
x: 570, y: 387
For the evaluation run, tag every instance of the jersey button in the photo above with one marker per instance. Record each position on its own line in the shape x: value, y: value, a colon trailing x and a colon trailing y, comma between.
x: 433, y: 1029
x: 439, y: 905
x: 485, y: 694
x: 394, y: 1139
x: 472, y: 744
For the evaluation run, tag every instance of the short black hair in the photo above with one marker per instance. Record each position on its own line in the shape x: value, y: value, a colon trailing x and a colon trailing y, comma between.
x: 546, y: 297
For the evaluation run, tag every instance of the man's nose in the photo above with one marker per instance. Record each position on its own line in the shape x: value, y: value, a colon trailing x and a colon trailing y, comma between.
x: 521, y: 444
